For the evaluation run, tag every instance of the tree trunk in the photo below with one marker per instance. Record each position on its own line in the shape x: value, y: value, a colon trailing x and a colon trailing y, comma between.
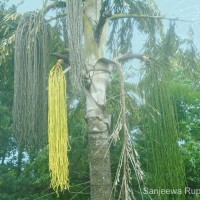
x: 98, y: 138
x: 96, y: 75
x: 99, y: 160
x: 98, y: 120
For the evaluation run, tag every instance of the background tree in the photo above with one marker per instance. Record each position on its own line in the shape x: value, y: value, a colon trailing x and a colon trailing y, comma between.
x: 127, y: 111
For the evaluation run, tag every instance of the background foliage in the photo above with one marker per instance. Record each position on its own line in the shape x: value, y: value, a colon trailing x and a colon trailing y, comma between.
x: 25, y: 176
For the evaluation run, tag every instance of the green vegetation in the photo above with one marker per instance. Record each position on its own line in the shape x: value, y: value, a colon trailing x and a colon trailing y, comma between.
x: 170, y: 106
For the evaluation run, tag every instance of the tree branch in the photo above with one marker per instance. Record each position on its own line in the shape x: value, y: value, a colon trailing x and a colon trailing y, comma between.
x: 57, y: 4
x: 121, y: 16
x: 131, y: 55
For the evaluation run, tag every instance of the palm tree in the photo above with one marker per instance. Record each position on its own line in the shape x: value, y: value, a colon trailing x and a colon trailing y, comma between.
x: 97, y: 39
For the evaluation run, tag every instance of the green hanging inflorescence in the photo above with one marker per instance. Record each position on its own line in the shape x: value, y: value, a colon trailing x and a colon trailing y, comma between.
x: 164, y: 165
x: 30, y: 81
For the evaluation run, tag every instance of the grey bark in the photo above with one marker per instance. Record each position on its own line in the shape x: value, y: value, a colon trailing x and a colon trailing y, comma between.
x: 98, y: 124
x: 99, y: 160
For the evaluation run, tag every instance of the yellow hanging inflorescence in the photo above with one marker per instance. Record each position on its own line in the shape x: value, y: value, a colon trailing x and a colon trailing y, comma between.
x: 57, y: 129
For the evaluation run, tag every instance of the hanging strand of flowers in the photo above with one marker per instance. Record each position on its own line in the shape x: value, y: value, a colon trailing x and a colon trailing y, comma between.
x: 164, y: 163
x: 57, y: 129
x: 75, y: 34
x: 30, y: 81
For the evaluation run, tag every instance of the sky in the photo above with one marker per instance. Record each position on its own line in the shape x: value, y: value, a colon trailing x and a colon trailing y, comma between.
x: 27, y: 5
x: 183, y: 9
